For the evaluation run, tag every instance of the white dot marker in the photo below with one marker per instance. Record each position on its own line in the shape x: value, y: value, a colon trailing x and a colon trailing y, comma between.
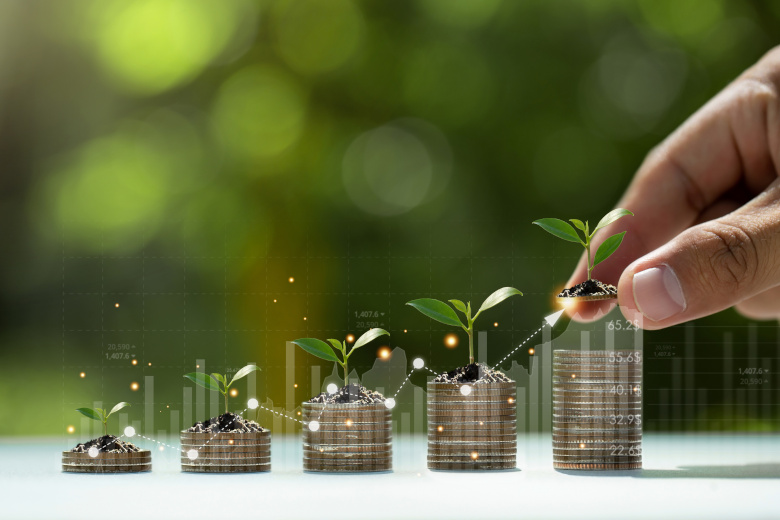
x: 314, y: 426
x: 93, y: 451
x: 192, y: 454
x: 332, y: 388
x: 390, y: 403
x: 418, y: 363
x: 129, y: 431
x: 252, y: 404
x: 465, y: 389
x: 161, y: 448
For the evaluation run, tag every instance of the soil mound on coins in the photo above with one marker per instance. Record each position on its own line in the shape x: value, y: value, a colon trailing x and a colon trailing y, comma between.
x: 226, y: 423
x: 107, y: 444
x: 350, y: 394
x: 475, y: 373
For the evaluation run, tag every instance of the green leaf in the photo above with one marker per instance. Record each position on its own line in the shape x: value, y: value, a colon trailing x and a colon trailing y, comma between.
x: 317, y: 348
x: 459, y: 305
x: 559, y: 228
x: 369, y: 336
x: 578, y: 224
x: 609, y: 246
x: 204, y: 380
x: 219, y: 377
x: 497, y: 297
x: 118, y: 407
x: 243, y: 373
x: 89, y: 412
x: 338, y: 345
x: 611, y: 217
x: 436, y: 310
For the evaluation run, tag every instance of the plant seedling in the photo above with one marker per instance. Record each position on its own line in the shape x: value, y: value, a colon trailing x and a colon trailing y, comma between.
x: 219, y: 382
x: 564, y: 230
x: 99, y: 414
x: 443, y: 313
x: 327, y: 352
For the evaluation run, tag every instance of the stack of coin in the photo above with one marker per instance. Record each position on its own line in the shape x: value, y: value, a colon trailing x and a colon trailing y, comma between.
x: 472, y: 426
x: 225, y: 452
x: 347, y: 437
x: 103, y: 462
x: 597, y: 410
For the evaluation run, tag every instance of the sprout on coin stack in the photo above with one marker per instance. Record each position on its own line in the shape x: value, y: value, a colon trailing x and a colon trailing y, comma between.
x: 228, y: 443
x: 472, y: 410
x: 346, y: 429
x: 109, y: 453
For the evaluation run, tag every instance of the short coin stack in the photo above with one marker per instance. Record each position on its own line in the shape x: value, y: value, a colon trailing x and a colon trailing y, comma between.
x: 472, y: 426
x: 104, y: 462
x: 597, y: 410
x: 347, y: 437
x: 225, y: 452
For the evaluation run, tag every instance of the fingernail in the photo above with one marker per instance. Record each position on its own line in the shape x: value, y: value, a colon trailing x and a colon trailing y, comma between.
x: 657, y: 293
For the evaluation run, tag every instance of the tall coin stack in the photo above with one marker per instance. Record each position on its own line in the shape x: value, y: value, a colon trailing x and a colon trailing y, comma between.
x: 597, y: 410
x: 348, y: 437
x: 472, y: 427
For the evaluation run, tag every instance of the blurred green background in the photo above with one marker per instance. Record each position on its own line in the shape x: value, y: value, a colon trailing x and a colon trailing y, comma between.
x: 185, y: 158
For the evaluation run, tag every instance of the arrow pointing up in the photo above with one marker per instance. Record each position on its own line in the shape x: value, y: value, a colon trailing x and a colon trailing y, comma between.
x: 552, y: 318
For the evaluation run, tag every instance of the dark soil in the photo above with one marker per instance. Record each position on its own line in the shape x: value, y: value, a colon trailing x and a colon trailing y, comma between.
x: 227, y: 423
x: 107, y: 444
x: 474, y: 373
x: 352, y: 393
x: 589, y: 288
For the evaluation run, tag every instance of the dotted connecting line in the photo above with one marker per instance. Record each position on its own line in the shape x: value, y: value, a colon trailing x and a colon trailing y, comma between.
x: 280, y: 414
x: 150, y: 439
x: 518, y: 347
x: 402, y: 384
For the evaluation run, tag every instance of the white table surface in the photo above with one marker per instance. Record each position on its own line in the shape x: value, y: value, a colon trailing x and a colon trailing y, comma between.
x: 685, y: 476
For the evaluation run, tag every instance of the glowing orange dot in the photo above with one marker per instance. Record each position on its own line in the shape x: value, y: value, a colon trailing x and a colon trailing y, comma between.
x: 291, y: 279
x: 348, y: 422
x: 405, y: 331
x: 233, y: 392
x: 510, y: 400
x: 531, y: 351
x: 295, y: 385
x: 167, y: 406
x: 451, y: 340
x: 150, y: 364
x: 274, y: 301
x: 71, y: 429
x: 582, y: 445
x: 134, y: 362
x: 134, y: 386
x: 299, y: 413
x: 481, y: 423
x: 440, y: 428
x: 230, y: 441
x: 495, y: 324
x: 82, y: 375
x: 116, y: 305
x: 474, y: 455
x: 384, y: 353
x: 350, y: 338
x: 197, y: 366
x: 573, y: 376
x: 304, y: 318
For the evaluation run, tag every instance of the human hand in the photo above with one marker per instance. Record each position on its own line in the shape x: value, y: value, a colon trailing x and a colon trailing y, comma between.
x: 706, y: 231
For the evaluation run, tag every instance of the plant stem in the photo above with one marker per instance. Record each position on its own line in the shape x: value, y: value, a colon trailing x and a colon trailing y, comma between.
x: 105, y: 427
x: 590, y: 268
x: 226, y: 400
x: 471, y: 345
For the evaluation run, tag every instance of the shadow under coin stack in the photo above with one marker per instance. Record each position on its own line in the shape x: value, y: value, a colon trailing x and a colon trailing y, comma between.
x: 597, y: 410
x: 472, y: 427
x: 226, y: 452
x: 349, y: 437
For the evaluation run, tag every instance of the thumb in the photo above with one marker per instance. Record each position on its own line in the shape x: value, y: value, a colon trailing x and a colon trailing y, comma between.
x: 707, y: 268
